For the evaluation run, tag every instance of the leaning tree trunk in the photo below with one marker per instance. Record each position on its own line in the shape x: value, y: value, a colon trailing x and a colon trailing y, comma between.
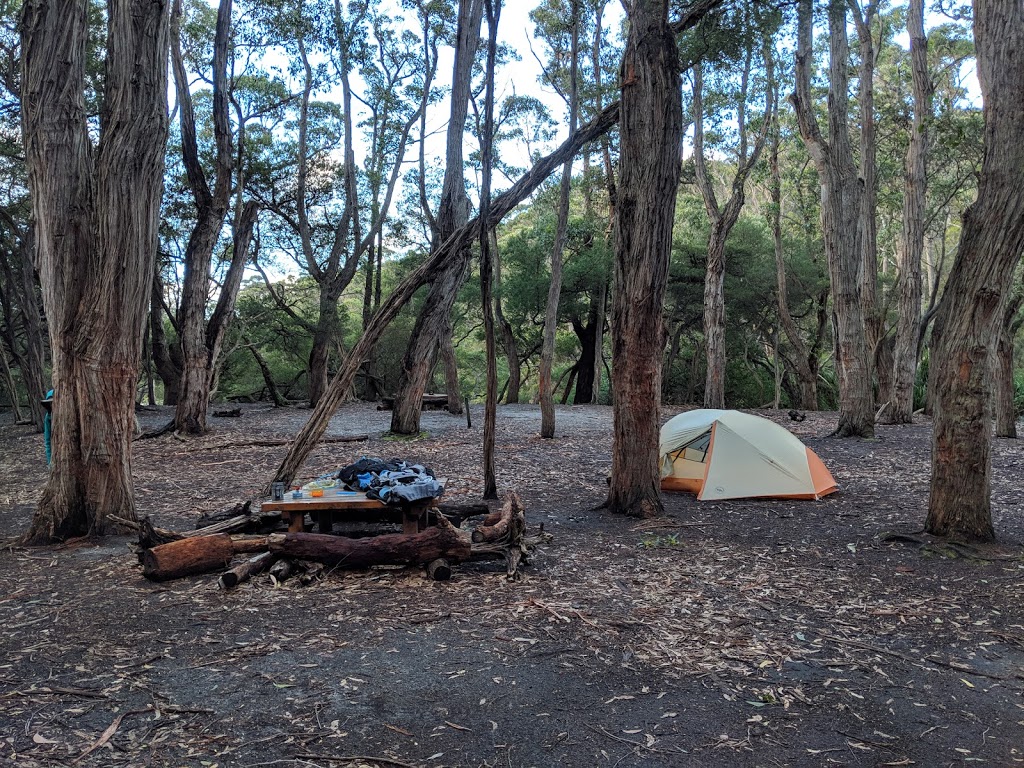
x: 420, y: 356
x: 8, y: 379
x: 840, y: 223
x: 908, y: 324
x: 96, y: 213
x: 448, y: 252
x: 991, y: 242
x: 650, y: 134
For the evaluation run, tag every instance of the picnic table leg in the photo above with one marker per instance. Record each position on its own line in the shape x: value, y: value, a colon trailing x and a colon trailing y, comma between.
x: 296, y: 521
x: 410, y: 520
x: 324, y: 521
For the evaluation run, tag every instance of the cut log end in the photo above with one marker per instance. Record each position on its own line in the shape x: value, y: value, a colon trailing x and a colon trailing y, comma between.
x: 439, y: 570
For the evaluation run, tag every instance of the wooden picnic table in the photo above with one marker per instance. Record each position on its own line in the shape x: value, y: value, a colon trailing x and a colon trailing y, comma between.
x: 346, y: 504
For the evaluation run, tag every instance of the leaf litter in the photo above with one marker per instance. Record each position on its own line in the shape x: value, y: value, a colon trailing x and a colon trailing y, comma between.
x: 815, y: 636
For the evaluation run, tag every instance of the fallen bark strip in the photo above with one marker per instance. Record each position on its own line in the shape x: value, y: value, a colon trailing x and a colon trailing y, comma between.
x: 196, y: 554
x: 442, y: 541
x: 244, y: 571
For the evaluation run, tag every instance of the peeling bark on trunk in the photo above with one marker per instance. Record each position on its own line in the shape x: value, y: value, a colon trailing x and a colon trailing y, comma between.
x: 650, y: 134
x: 908, y: 325
x: 96, y: 211
x: 840, y: 217
x: 991, y: 242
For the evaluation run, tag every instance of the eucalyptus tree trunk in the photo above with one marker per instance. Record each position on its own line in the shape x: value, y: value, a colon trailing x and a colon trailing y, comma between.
x: 807, y: 376
x: 166, y: 356
x: 1002, y: 371
x: 609, y: 181
x: 874, y: 323
x: 650, y: 136
x: 723, y: 220
x: 30, y: 355
x: 908, y: 325
x: 991, y: 242
x: 841, y: 194
x: 588, y: 335
x: 96, y: 211
x: 508, y: 338
x: 547, y: 352
x: 8, y: 379
x: 434, y: 321
x: 490, y: 483
x: 211, y: 208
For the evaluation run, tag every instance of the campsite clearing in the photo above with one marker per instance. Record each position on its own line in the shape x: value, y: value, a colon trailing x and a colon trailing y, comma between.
x: 728, y: 633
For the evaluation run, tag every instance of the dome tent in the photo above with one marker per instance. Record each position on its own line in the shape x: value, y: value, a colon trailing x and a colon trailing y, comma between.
x: 733, y: 455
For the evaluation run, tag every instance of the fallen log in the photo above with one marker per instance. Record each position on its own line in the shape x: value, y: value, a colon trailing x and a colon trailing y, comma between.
x: 196, y: 554
x: 230, y: 512
x: 458, y: 513
x: 442, y: 541
x: 245, y: 570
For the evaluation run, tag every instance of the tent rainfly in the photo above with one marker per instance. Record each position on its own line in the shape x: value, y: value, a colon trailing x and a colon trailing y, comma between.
x: 733, y: 455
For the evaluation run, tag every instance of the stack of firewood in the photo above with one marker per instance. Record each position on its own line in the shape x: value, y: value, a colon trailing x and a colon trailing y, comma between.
x: 168, y: 555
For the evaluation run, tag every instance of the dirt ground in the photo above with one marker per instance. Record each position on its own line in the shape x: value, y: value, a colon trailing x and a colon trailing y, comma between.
x: 749, y: 633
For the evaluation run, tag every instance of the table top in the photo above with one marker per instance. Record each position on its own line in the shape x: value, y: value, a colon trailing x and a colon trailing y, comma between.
x: 331, y: 499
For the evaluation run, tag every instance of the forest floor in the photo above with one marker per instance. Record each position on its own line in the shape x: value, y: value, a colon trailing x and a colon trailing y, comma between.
x: 746, y: 633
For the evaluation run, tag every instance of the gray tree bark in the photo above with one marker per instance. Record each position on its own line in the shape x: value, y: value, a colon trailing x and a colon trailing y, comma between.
x: 840, y: 216
x: 991, y: 242
x: 650, y: 136
x: 723, y: 220
x: 547, y: 352
x: 96, y: 211
x: 908, y: 325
